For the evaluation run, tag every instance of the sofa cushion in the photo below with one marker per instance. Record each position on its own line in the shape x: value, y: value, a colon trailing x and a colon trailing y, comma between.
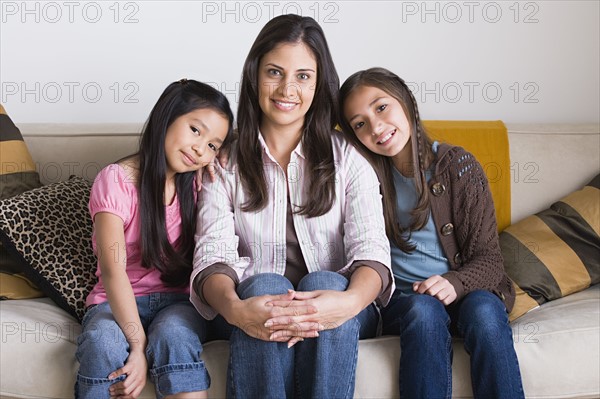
x: 17, y: 286
x: 557, y: 346
x: 555, y: 252
x: 49, y: 231
x: 17, y: 174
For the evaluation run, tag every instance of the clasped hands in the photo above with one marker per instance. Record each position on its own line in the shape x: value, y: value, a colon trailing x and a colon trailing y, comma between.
x: 296, y: 315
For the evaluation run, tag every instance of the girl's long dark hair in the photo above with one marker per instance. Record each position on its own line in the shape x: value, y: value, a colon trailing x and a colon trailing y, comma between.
x: 178, y: 99
x: 423, y: 155
x: 319, y: 121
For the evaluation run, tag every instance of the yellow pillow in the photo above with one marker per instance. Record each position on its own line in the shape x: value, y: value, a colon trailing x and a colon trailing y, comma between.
x: 488, y: 142
x: 555, y: 252
x: 17, y: 286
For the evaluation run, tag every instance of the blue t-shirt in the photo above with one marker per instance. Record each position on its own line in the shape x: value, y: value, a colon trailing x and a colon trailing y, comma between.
x: 428, y: 257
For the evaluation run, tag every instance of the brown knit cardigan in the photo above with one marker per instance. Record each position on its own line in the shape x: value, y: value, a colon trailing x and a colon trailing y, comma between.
x: 465, y: 220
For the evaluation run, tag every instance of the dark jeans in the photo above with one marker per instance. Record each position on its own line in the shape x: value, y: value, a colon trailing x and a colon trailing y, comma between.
x: 425, y: 327
x: 322, y: 367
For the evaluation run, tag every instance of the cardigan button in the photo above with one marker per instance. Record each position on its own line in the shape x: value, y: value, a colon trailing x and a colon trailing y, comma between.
x: 438, y: 189
x: 447, y: 229
x: 457, y: 258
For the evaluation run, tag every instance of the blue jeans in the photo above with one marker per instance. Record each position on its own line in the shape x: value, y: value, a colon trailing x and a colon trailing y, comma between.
x: 174, y: 331
x: 322, y: 367
x: 425, y: 327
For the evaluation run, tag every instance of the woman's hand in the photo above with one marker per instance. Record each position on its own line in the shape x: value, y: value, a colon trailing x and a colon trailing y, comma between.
x: 251, y: 314
x: 222, y: 157
x: 438, y: 287
x: 333, y: 308
x: 136, y: 369
x: 329, y: 314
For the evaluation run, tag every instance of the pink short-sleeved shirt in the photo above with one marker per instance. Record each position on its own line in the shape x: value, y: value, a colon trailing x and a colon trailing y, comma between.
x: 115, y: 192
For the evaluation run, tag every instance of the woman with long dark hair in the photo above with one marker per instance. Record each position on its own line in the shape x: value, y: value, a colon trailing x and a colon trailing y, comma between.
x: 291, y: 247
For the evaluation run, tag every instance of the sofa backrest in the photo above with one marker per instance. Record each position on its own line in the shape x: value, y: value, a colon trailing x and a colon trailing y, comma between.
x: 547, y: 161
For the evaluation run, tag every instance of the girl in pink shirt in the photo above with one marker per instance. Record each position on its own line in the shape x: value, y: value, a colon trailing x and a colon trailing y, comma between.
x: 144, y: 212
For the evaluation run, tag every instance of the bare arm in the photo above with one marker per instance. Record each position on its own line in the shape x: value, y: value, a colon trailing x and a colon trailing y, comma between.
x: 110, y: 241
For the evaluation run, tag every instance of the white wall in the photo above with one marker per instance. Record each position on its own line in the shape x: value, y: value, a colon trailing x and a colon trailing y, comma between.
x: 108, y: 61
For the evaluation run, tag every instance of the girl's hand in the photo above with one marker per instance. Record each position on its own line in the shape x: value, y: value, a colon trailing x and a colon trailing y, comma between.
x: 136, y: 369
x: 255, y: 311
x: 329, y: 313
x: 438, y: 287
x: 222, y: 157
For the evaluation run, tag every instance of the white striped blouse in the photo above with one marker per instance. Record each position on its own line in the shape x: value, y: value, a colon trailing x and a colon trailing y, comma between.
x: 255, y: 242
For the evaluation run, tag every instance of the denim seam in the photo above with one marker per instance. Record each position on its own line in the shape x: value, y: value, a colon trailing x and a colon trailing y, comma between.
x: 98, y: 381
x: 156, y: 373
x: 449, y: 367
x: 169, y: 368
x: 354, y: 360
x: 230, y: 383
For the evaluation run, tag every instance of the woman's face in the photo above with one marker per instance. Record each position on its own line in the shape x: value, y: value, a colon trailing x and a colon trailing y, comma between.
x: 287, y: 81
x: 378, y: 120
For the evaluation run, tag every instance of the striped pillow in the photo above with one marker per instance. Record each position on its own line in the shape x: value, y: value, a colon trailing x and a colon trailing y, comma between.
x: 555, y: 252
x: 17, y: 175
x: 17, y: 169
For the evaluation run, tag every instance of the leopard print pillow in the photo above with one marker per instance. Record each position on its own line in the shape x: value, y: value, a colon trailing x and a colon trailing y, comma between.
x: 49, y: 230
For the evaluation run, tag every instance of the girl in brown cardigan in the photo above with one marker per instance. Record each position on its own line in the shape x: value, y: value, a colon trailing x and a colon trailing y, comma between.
x: 446, y: 257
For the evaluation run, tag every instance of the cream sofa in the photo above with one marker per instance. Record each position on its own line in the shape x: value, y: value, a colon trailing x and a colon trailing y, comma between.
x: 558, y: 344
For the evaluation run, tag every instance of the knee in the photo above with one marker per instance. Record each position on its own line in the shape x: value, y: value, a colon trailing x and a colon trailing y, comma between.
x: 323, y: 280
x: 483, y: 307
x: 264, y: 284
x: 102, y: 337
x: 483, y: 313
x: 335, y: 333
x: 426, y: 312
x: 102, y: 348
x: 176, y: 343
x: 177, y: 325
x: 178, y: 334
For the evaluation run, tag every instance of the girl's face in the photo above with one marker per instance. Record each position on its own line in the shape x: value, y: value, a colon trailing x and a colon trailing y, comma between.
x: 193, y: 140
x: 287, y: 80
x: 378, y: 120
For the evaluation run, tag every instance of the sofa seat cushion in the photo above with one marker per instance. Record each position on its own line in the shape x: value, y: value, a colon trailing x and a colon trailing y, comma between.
x: 38, y: 345
x: 558, y: 346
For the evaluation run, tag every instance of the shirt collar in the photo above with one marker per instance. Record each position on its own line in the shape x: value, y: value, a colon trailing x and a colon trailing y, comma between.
x: 299, y: 150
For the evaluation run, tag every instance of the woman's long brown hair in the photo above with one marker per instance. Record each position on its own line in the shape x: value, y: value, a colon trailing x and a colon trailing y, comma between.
x: 319, y: 121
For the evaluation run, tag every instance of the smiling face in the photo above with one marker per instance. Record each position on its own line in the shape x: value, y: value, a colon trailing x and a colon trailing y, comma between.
x: 379, y: 122
x: 287, y: 80
x: 193, y: 140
